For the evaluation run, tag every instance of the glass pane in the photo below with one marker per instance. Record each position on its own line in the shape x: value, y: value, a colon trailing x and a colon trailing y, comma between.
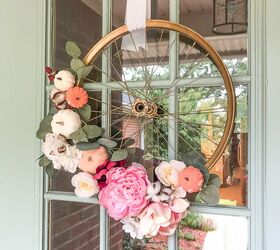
x: 62, y: 180
x: 159, y: 10
x: 119, y: 240
x: 146, y: 136
x: 73, y: 225
x: 213, y: 232
x: 202, y: 113
x: 75, y: 20
x: 198, y: 15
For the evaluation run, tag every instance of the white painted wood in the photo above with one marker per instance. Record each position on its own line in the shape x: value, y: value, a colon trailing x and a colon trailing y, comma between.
x: 22, y: 57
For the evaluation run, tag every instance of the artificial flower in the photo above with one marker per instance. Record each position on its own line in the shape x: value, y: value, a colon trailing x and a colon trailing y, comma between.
x: 154, y: 216
x: 76, y: 97
x: 64, y: 80
x: 169, y: 229
x: 103, y: 169
x: 125, y: 192
x: 153, y: 191
x: 58, y: 98
x: 91, y: 159
x: 85, y: 185
x: 179, y: 205
x: 65, y: 122
x: 62, y: 155
x: 131, y: 226
x: 191, y: 179
x: 168, y: 172
x: 54, y: 145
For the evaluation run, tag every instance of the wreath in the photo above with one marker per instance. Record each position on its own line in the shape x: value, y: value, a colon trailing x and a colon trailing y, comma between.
x: 70, y: 143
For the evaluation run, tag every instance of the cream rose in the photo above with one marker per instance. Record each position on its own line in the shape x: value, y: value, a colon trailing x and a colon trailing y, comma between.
x: 168, y: 172
x: 85, y: 185
x: 65, y: 122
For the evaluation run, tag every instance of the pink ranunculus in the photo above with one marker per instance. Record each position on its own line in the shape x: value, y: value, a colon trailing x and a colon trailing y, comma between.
x: 125, y: 192
x: 172, y: 225
x: 154, y: 216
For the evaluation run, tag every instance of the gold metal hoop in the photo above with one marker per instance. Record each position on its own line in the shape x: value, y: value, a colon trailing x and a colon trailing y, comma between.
x: 187, y: 32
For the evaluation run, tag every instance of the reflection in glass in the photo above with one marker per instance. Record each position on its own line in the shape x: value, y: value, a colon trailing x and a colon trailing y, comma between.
x: 73, y: 225
x: 198, y: 15
x: 203, y: 113
x: 213, y: 232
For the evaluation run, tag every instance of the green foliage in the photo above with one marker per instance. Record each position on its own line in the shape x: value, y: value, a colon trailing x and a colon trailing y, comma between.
x: 76, y: 64
x: 92, y: 131
x: 197, y: 221
x: 44, y: 127
x: 83, y: 72
x: 85, y: 112
x: 107, y: 143
x: 119, y: 155
x: 214, y: 180
x: 73, y: 50
x: 189, y: 236
x: 209, y: 195
x: 51, y: 172
x: 44, y: 161
x: 84, y: 146
x: 78, y: 135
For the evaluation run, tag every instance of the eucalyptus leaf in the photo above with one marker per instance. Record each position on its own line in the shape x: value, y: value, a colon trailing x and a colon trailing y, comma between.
x: 204, y: 171
x: 76, y: 64
x: 92, y: 131
x: 78, y: 135
x: 82, y: 72
x: 209, y: 195
x: 84, y: 146
x: 128, y: 142
x: 73, y: 50
x: 85, y: 112
x: 131, y: 150
x: 51, y: 172
x: 214, y: 180
x: 107, y: 143
x: 119, y: 155
x: 44, y: 161
x: 44, y: 127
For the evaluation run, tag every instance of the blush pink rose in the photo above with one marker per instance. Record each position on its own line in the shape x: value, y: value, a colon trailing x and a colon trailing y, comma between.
x: 172, y: 224
x: 125, y: 192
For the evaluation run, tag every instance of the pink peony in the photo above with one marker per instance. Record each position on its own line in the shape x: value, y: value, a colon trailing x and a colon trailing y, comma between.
x: 125, y: 192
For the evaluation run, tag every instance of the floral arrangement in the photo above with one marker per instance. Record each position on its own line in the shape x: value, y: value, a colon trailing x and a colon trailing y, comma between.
x: 101, y: 168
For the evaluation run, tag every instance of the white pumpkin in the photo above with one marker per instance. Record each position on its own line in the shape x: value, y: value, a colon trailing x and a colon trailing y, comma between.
x: 65, y: 122
x: 64, y: 80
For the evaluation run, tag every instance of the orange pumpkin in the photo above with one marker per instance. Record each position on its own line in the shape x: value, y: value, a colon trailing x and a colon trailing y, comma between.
x: 76, y: 97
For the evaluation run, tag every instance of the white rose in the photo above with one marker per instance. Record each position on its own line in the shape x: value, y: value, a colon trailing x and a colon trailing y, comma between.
x: 168, y: 172
x: 85, y: 185
x: 65, y: 122
x: 64, y: 80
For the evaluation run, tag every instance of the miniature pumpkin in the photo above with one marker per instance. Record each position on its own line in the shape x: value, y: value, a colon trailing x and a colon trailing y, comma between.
x: 191, y: 179
x: 65, y: 122
x: 91, y: 159
x: 76, y: 97
x: 64, y: 80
